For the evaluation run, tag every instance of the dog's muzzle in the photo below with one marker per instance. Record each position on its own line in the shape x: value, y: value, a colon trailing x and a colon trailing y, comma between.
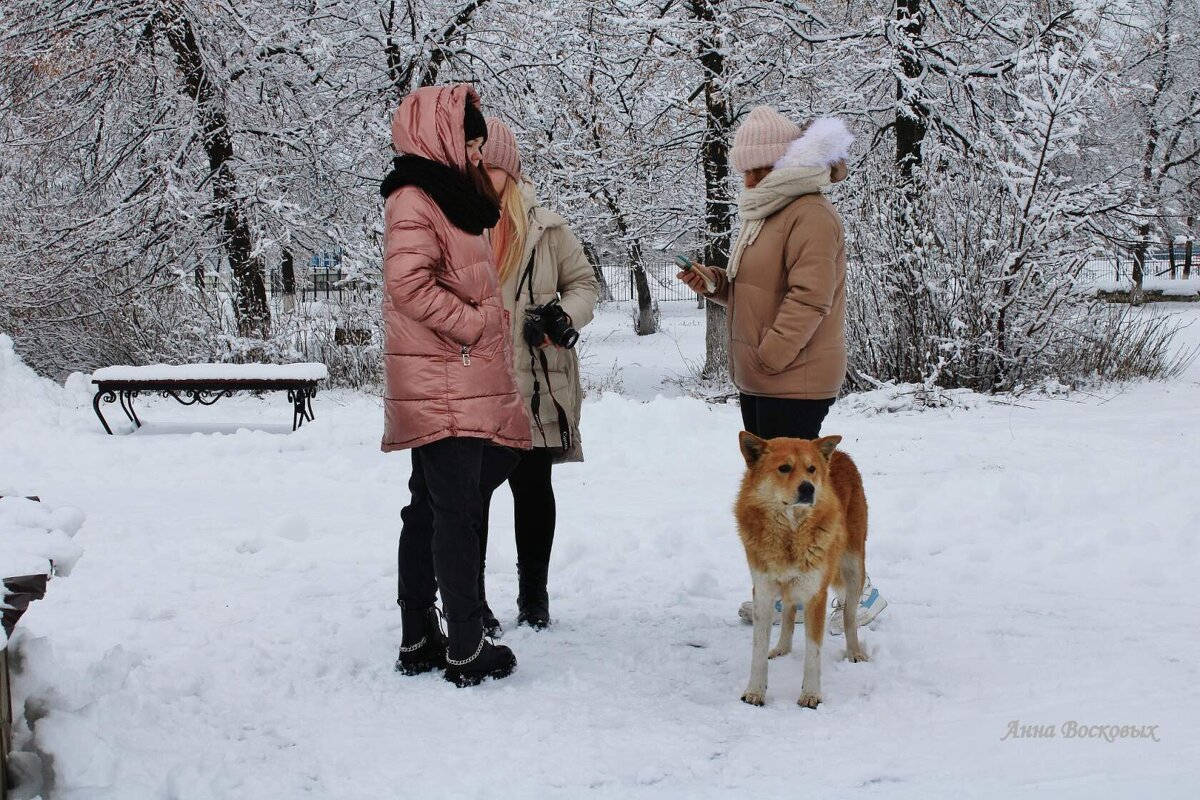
x: 805, y: 494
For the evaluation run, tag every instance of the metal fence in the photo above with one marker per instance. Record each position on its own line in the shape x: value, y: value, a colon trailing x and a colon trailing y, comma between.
x: 331, y: 287
x: 1121, y: 269
x: 335, y: 292
x: 664, y: 286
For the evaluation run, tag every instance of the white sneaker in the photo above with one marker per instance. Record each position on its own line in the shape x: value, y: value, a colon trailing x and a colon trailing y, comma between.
x: 869, y: 606
x: 746, y: 612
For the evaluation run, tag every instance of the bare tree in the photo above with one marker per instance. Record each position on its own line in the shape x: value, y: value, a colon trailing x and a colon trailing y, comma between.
x: 714, y: 154
x: 423, y: 63
x: 250, y: 293
x: 1159, y: 64
x: 146, y: 143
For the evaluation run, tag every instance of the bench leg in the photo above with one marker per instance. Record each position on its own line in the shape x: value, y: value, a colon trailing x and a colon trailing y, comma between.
x: 297, y: 398
x: 127, y: 407
x: 108, y: 398
x: 301, y: 406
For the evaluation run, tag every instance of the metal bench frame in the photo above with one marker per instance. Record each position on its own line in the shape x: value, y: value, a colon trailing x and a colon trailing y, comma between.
x: 300, y: 393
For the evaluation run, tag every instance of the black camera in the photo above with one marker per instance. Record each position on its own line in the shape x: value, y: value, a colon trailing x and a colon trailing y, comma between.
x: 550, y: 321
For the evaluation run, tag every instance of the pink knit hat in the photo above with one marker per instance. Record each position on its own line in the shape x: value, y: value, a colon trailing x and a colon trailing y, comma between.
x: 500, y: 150
x: 760, y: 141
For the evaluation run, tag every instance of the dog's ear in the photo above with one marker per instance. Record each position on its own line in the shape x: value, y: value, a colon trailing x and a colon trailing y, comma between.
x: 828, y: 444
x: 752, y: 447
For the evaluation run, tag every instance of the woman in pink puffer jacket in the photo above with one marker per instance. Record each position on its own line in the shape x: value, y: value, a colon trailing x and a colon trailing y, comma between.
x: 450, y: 393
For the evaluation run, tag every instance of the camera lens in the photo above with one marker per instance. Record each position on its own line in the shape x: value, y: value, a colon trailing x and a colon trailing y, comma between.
x: 568, y: 337
x: 561, y: 331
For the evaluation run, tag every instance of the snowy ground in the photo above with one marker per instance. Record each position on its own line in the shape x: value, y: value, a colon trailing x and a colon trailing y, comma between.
x: 230, y: 629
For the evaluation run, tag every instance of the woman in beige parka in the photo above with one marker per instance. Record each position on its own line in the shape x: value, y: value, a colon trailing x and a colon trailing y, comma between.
x: 785, y: 287
x: 539, y: 261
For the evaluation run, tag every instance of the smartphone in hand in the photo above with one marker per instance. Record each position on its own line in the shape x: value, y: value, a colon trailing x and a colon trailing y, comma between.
x: 686, y: 265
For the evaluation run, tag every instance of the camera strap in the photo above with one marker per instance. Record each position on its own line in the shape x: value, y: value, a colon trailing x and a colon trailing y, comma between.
x: 535, y: 403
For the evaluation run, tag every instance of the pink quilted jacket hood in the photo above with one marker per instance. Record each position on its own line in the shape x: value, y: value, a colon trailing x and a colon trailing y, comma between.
x: 447, y: 350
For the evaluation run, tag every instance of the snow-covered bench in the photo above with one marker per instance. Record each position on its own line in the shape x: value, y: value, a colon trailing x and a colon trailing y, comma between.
x: 35, y: 543
x: 207, y: 383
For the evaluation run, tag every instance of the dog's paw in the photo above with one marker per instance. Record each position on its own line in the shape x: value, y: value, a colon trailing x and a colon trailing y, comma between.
x: 857, y: 658
x: 809, y: 700
x: 754, y: 698
x: 779, y: 651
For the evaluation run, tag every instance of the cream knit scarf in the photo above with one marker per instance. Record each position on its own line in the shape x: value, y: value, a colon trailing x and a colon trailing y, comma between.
x: 804, y: 169
x: 775, y: 192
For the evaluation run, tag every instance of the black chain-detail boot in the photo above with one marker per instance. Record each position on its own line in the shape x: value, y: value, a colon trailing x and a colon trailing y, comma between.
x: 471, y: 658
x: 533, y: 600
x: 491, y: 625
x: 422, y: 643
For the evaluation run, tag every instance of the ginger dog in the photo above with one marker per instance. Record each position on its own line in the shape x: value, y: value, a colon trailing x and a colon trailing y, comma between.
x: 802, y: 517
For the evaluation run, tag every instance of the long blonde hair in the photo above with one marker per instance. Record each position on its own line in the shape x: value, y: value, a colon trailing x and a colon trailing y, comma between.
x: 509, y: 235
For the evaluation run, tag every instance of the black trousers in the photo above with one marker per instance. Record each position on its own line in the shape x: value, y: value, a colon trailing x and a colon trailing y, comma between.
x: 772, y: 417
x: 534, y: 511
x: 439, y: 539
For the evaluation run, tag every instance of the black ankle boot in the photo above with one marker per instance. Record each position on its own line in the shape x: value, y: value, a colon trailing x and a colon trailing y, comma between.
x: 533, y: 601
x: 470, y: 657
x: 422, y: 645
x: 491, y: 625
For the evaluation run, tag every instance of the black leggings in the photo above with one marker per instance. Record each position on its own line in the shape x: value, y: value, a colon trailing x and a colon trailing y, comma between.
x: 534, y: 511
x: 772, y: 417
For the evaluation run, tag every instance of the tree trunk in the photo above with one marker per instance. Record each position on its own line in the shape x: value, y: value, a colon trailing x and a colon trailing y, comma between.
x: 1187, y: 247
x: 593, y: 258
x: 718, y: 211
x: 911, y: 126
x: 647, y: 318
x: 1171, y: 253
x: 1136, y: 296
x: 250, y: 292
x: 646, y: 322
x: 910, y: 115
x: 1152, y: 182
x: 288, y: 273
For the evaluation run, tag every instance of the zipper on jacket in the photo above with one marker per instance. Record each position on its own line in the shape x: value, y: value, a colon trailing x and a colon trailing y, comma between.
x: 466, y: 355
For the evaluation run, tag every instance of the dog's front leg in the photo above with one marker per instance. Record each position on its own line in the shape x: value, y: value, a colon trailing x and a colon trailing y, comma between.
x: 765, y: 592
x: 814, y: 633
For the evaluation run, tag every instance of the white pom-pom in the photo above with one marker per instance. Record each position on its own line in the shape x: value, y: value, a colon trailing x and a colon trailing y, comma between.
x: 826, y: 142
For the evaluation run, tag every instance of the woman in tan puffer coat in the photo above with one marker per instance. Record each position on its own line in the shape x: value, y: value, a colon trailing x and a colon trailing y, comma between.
x: 785, y: 287
x: 450, y: 393
x: 539, y: 261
